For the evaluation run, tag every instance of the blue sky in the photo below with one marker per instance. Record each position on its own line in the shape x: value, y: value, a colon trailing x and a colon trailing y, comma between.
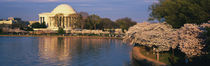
x: 114, y: 9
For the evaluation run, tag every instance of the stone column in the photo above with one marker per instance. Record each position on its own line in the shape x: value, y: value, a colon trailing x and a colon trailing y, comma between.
x: 56, y: 21
x: 63, y: 18
x: 40, y: 19
x: 71, y: 21
x: 59, y: 22
x: 50, y: 22
x: 67, y: 21
x: 64, y: 22
x: 53, y: 21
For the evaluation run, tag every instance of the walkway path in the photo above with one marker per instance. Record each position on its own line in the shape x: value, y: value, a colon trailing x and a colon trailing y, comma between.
x: 140, y: 57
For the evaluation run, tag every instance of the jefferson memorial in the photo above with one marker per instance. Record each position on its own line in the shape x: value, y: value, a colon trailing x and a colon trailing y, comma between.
x: 63, y: 16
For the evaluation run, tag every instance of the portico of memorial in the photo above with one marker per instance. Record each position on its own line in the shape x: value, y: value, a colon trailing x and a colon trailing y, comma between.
x: 63, y: 16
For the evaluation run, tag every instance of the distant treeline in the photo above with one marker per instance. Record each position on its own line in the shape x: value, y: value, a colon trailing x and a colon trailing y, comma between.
x: 96, y: 22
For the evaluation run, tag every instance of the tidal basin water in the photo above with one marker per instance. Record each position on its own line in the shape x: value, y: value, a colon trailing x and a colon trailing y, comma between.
x: 63, y: 51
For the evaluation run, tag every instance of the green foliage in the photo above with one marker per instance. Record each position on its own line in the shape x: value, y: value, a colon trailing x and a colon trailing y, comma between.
x: 208, y: 35
x: 89, y: 22
x: 208, y: 31
x: 1, y: 31
x: 29, y: 29
x: 92, y: 34
x: 106, y: 23
x: 179, y: 12
x: 61, y: 31
x: 166, y: 57
x: 125, y: 23
x: 43, y: 25
x: 19, y: 25
x: 38, y: 25
x: 80, y: 22
x: 35, y: 25
x: 96, y: 22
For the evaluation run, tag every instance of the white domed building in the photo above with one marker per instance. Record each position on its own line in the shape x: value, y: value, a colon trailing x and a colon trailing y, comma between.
x: 63, y: 16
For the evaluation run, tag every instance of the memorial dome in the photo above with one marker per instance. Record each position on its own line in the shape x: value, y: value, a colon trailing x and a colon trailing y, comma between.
x: 64, y: 9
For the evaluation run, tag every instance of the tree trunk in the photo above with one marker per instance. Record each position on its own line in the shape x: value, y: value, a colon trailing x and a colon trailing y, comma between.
x: 173, y: 56
x: 157, y: 56
x: 82, y: 26
x: 95, y: 26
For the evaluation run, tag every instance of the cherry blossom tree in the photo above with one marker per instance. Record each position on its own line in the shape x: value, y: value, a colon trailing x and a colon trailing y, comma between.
x: 153, y: 34
x: 160, y: 35
x: 188, y: 38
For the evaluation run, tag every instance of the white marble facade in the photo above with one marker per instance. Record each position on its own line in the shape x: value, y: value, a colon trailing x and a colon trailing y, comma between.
x: 63, y: 16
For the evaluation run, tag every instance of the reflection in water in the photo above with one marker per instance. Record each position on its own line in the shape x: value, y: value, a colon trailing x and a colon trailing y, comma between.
x: 63, y: 51
x: 54, y: 49
x: 82, y: 51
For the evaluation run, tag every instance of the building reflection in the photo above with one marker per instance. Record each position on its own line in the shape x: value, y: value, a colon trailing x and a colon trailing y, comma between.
x: 54, y: 48
x: 73, y: 50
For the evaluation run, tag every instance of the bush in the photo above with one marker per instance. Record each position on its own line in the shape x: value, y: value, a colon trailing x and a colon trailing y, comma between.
x: 208, y: 31
x: 38, y: 25
x: 61, y: 31
x: 29, y: 29
x: 92, y: 34
x: 1, y: 31
x: 208, y: 35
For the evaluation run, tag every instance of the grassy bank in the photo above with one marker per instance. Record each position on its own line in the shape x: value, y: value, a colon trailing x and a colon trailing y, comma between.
x: 169, y: 58
x: 164, y: 56
x: 143, y: 59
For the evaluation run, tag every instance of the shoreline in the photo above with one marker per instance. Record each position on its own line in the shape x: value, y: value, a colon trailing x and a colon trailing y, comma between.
x: 94, y: 37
